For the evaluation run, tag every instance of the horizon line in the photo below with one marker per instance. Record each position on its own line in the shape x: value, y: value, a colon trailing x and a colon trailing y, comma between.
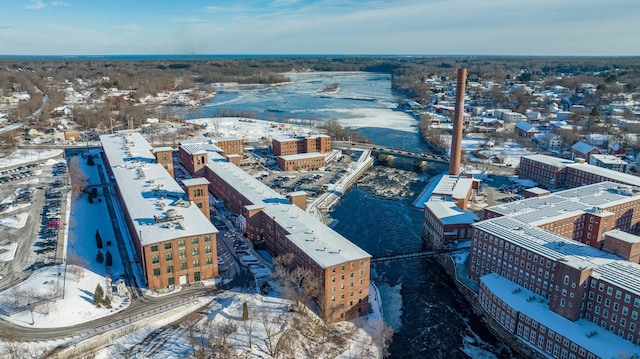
x: 185, y: 55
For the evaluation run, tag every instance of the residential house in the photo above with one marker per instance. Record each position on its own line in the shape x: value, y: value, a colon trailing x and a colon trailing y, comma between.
x: 583, y: 150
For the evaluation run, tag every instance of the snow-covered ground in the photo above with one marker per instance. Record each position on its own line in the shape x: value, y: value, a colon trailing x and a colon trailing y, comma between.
x: 25, y: 156
x: 60, y: 296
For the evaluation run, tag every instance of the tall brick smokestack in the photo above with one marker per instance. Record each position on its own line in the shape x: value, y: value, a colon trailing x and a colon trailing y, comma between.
x: 456, y: 138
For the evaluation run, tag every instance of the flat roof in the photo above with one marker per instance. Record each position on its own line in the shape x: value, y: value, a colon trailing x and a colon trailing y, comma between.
x: 623, y: 236
x: 547, y: 244
x: 302, y: 156
x: 197, y: 147
x: 609, y: 159
x: 567, y: 203
x: 156, y: 204
x: 321, y: 243
x: 454, y: 186
x: 585, y: 167
x: 537, y: 190
x: 195, y: 181
x: 603, y: 344
x: 449, y: 213
x: 550, y: 160
x: 162, y: 149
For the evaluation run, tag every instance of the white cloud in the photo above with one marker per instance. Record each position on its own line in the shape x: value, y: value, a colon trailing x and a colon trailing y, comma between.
x: 39, y: 4
x: 35, y: 5
x: 130, y: 27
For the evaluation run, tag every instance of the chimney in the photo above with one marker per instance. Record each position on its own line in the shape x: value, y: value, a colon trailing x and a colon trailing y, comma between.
x: 456, y: 138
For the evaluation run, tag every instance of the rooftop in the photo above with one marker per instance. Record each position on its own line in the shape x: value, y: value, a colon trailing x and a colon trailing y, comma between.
x: 584, y: 333
x: 302, y: 156
x: 448, y: 213
x: 321, y: 243
x: 544, y: 243
x: 453, y: 186
x: 572, y: 202
x: 156, y: 203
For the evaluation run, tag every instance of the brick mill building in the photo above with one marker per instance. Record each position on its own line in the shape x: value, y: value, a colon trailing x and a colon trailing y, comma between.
x: 543, y: 278
x: 281, y: 223
x: 173, y: 237
x: 308, y: 144
x: 556, y: 173
x: 301, y: 153
x: 447, y: 221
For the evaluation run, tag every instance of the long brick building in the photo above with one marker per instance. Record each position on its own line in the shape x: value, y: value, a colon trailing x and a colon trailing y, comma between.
x: 341, y: 268
x: 173, y: 237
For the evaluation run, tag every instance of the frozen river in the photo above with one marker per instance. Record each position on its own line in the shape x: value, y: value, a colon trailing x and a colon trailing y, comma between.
x: 363, y: 101
x: 430, y: 319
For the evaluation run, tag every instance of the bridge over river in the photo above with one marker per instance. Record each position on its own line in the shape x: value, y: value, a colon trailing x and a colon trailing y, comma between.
x: 417, y: 254
x: 379, y: 151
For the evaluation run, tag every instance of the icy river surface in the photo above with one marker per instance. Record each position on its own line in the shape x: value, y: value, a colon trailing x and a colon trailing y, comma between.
x: 430, y: 318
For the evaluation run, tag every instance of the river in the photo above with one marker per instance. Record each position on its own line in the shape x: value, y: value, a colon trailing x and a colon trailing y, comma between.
x: 429, y: 317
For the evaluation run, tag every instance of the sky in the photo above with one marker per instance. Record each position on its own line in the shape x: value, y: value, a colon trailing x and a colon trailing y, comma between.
x: 349, y: 27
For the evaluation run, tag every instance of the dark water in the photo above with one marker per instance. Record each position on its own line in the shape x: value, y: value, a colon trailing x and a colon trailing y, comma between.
x: 430, y: 318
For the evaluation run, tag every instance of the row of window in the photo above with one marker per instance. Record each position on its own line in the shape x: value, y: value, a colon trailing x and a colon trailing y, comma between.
x: 183, y: 266
x: 181, y: 243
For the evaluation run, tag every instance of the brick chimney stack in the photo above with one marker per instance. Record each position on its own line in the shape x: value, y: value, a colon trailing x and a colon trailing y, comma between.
x: 456, y: 138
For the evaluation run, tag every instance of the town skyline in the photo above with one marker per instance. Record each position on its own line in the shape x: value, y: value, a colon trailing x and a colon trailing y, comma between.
x: 305, y: 27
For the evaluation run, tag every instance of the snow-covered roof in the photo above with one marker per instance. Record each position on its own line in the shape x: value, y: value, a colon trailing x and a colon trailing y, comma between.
x: 547, y: 244
x: 607, y: 173
x: 162, y: 149
x: 198, y: 147
x: 608, y: 159
x: 302, y: 156
x: 623, y: 236
x: 604, y: 344
x: 583, y: 147
x: 550, y: 160
x: 622, y: 274
x: 155, y: 202
x: 321, y: 243
x: 195, y: 181
x: 568, y: 203
x: 453, y: 186
x: 526, y: 126
x: 449, y: 213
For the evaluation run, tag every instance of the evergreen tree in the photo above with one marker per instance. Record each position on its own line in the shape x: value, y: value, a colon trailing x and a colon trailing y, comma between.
x: 109, y: 259
x: 98, y: 296
x: 107, y: 302
x: 98, y: 239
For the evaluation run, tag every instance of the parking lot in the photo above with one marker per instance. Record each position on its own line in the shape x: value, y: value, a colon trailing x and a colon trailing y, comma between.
x: 32, y: 217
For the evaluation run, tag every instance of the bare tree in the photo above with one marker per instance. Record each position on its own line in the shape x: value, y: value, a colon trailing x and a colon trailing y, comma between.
x: 78, y: 178
x: 247, y: 326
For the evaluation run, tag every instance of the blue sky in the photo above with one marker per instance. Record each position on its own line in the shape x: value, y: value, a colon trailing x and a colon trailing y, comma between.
x: 406, y: 27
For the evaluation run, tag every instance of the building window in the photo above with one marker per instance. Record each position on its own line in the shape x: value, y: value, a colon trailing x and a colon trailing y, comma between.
x: 183, y: 265
x: 207, y: 238
x: 169, y: 256
x: 207, y: 249
x: 194, y: 252
x: 196, y: 263
x: 167, y: 246
x: 154, y: 248
x: 171, y: 281
x: 155, y: 259
x: 182, y: 254
x: 156, y: 271
x: 209, y: 260
x: 169, y: 269
x: 194, y: 240
x: 181, y: 243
